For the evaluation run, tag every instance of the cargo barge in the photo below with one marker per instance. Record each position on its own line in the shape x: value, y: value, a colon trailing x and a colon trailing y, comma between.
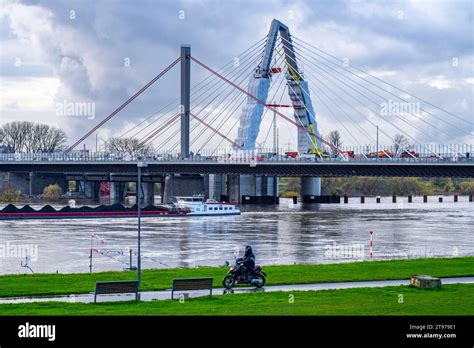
x: 11, y: 212
x: 188, y: 206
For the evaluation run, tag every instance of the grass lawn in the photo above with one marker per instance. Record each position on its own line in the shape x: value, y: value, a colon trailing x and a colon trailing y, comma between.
x: 160, y: 279
x: 455, y: 299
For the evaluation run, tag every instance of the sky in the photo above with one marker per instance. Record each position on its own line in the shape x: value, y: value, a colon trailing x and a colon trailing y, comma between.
x: 54, y: 54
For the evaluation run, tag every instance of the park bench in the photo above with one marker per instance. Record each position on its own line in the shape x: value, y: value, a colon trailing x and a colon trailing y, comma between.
x: 183, y: 284
x: 116, y: 287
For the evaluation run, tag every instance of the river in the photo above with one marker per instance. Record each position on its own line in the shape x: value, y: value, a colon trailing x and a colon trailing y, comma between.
x: 282, y: 234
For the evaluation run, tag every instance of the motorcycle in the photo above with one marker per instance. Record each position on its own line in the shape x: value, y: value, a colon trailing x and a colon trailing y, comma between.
x: 256, y: 276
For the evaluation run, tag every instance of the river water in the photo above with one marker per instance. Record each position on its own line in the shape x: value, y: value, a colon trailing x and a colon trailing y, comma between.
x: 282, y: 234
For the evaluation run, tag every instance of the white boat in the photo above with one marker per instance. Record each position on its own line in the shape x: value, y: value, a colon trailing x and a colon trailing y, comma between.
x: 197, y: 206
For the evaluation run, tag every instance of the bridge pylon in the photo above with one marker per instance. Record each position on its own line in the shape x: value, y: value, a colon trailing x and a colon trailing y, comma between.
x: 252, y: 113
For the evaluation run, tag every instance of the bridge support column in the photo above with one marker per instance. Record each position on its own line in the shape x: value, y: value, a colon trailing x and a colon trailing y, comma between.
x: 217, y: 187
x: 256, y: 189
x: 247, y: 188
x: 78, y: 187
x: 206, y: 186
x: 310, y: 186
x: 18, y: 181
x: 91, y: 189
x: 233, y: 188
x: 117, y: 192
x: 272, y: 186
x: 162, y: 191
x: 247, y: 185
x: 176, y: 186
x: 148, y: 193
x: 31, y: 183
x: 260, y: 183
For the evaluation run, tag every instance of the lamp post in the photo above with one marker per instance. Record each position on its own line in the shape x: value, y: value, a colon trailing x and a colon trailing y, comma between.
x: 377, y: 146
x: 140, y: 165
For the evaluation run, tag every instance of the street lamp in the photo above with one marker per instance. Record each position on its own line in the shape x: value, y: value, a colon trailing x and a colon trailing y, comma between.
x: 140, y: 165
x: 377, y: 146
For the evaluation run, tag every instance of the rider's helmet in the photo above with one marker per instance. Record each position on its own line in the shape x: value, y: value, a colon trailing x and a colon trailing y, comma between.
x: 248, y: 249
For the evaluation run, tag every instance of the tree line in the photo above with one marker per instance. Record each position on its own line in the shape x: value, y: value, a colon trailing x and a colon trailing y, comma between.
x: 23, y: 136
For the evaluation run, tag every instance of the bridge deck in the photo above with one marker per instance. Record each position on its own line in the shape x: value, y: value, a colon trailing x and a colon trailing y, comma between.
x: 271, y: 168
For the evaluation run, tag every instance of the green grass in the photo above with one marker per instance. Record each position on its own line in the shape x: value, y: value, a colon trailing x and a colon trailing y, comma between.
x: 160, y: 279
x: 456, y: 299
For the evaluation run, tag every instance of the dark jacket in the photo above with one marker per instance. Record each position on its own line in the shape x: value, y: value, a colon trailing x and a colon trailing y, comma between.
x: 249, y: 260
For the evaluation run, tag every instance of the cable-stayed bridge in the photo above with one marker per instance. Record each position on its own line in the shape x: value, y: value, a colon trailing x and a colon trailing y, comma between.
x: 218, y: 129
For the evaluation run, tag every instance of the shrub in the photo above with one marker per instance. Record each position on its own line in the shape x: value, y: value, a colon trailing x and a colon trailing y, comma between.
x: 10, y: 195
x: 466, y: 188
x: 289, y: 194
x: 52, y: 192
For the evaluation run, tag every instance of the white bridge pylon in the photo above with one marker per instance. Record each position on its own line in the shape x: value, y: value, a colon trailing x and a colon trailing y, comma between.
x: 259, y: 86
x: 252, y: 112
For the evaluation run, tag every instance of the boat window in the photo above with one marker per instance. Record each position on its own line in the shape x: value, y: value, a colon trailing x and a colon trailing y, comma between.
x: 220, y: 208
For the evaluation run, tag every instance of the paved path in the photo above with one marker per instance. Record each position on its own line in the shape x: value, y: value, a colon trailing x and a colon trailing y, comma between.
x: 166, y: 294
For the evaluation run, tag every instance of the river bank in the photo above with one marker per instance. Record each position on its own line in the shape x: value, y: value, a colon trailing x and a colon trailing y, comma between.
x: 161, y: 279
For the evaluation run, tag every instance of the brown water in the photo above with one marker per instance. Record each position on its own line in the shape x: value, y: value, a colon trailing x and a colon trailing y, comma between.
x: 281, y: 234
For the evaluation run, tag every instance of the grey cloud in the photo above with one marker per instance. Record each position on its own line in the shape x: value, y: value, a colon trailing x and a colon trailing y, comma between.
x: 149, y: 33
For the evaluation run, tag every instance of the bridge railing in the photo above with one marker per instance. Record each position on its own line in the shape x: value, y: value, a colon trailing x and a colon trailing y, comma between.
x: 226, y: 158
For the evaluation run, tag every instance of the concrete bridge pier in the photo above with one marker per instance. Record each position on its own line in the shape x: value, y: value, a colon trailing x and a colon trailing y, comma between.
x: 184, y: 185
x: 117, y: 192
x: 217, y: 187
x: 206, y: 185
x: 260, y: 185
x: 148, y: 193
x: 310, y: 186
x: 77, y: 186
x: 247, y: 188
x: 272, y: 186
x: 258, y: 189
x: 19, y: 181
x: 162, y: 191
x: 92, y: 189
x: 233, y: 188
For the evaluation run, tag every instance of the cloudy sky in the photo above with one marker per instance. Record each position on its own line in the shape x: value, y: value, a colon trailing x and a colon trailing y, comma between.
x: 101, y: 52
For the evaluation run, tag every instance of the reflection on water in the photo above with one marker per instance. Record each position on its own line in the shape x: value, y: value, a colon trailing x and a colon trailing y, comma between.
x: 281, y: 234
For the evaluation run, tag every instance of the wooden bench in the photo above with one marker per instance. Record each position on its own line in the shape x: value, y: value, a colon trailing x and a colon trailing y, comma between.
x: 116, y: 287
x: 183, y: 284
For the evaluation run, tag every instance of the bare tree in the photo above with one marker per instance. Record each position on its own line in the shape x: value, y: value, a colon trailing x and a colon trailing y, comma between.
x: 335, y: 138
x: 54, y: 139
x: 400, y: 142
x: 12, y: 136
x: 130, y: 146
x: 22, y: 136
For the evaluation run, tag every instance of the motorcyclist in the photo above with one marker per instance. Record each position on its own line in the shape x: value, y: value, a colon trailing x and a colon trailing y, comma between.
x: 248, y: 262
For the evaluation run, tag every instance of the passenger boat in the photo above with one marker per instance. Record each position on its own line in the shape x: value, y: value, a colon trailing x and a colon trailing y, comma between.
x: 198, y: 207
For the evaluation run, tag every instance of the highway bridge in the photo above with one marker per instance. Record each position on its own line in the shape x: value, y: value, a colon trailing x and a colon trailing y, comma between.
x: 284, y: 167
